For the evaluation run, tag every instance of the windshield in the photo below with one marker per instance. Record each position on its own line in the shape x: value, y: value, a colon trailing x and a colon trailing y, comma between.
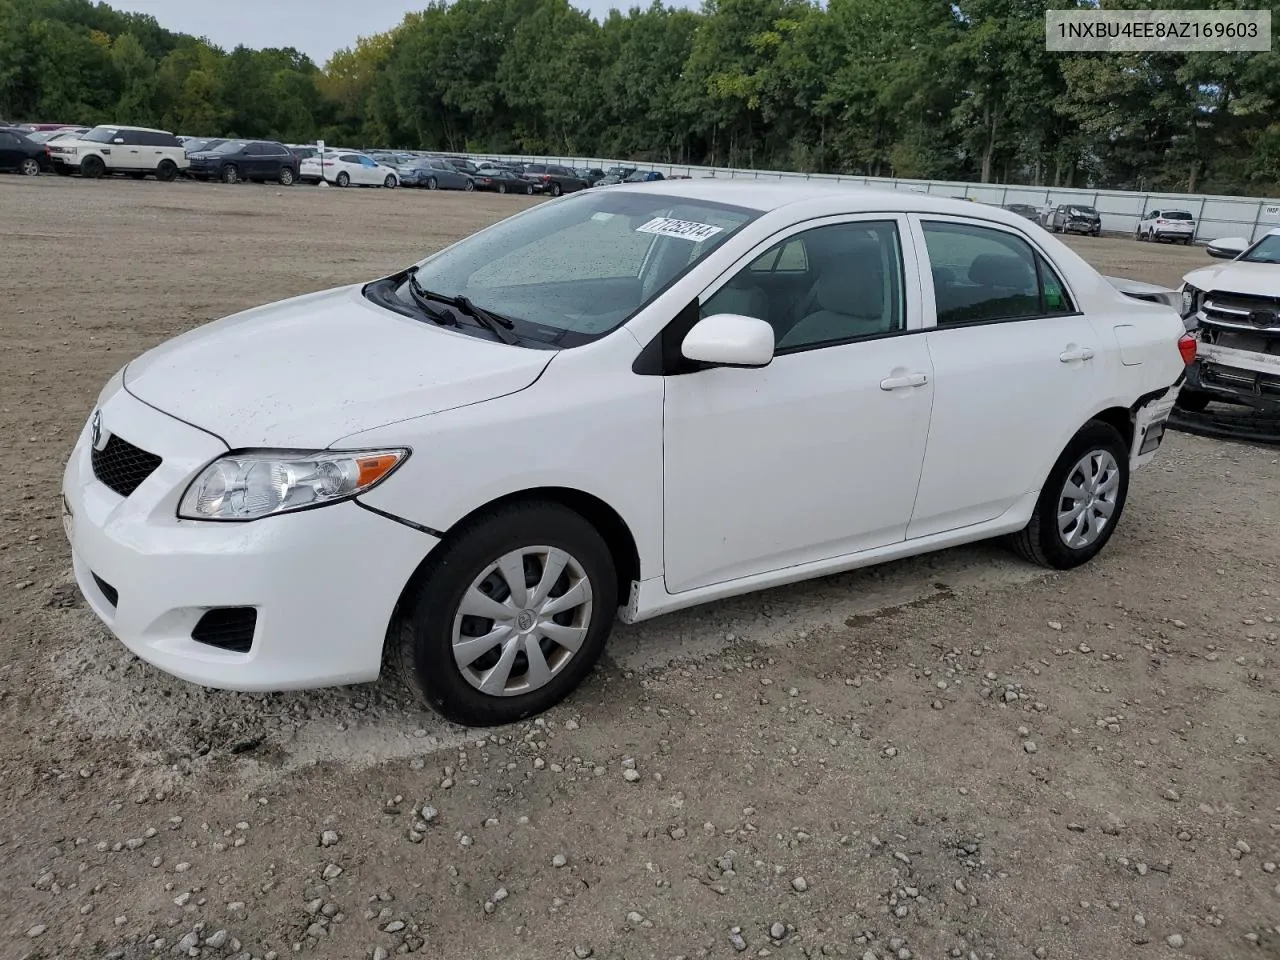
x: 1084, y: 211
x: 1266, y: 250
x: 102, y: 134
x: 231, y: 146
x: 1177, y: 215
x: 571, y: 271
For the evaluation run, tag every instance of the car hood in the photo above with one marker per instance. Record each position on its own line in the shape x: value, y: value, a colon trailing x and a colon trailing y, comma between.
x: 306, y: 372
x: 1236, y: 276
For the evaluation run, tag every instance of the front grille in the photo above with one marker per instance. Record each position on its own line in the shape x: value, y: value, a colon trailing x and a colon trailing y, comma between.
x: 1263, y: 385
x: 107, y: 590
x: 1234, y: 310
x: 228, y: 628
x: 122, y: 466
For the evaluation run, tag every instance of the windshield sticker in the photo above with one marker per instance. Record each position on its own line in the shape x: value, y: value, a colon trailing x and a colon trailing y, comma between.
x: 681, y: 229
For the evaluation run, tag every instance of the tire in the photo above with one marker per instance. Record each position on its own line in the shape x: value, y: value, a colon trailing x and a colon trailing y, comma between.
x: 1186, y: 242
x: 30, y: 167
x: 529, y: 190
x: 391, y: 182
x: 502, y: 188
x: 230, y: 174
x: 92, y: 168
x: 343, y: 179
x: 1137, y: 234
x: 286, y: 177
x: 431, y: 183
x: 167, y: 171
x: 1192, y: 400
x: 1042, y: 541
x: 424, y: 641
x: 469, y: 186
x: 556, y: 189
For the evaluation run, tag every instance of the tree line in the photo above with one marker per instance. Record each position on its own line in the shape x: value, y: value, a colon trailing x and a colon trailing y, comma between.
x: 945, y: 89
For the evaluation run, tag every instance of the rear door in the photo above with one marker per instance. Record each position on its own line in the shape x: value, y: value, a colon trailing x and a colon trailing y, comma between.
x: 1014, y: 374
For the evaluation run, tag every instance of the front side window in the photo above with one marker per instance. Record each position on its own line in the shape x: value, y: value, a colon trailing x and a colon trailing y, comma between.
x: 570, y: 272
x: 981, y: 274
x: 827, y: 285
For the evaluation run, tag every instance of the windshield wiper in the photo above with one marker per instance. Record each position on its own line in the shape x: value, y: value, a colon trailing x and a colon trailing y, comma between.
x: 496, y: 324
x: 422, y: 298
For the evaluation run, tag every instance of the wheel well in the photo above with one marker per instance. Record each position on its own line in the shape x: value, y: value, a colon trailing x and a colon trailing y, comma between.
x: 617, y: 535
x: 1121, y: 419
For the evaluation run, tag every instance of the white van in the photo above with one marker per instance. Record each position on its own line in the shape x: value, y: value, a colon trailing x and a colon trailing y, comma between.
x: 107, y: 149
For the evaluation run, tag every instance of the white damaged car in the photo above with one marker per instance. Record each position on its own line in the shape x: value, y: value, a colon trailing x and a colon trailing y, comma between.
x: 1235, y: 309
x: 612, y: 405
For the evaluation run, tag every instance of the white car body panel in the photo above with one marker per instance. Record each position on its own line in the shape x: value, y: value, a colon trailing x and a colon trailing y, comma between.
x: 321, y: 366
x: 729, y: 480
x: 361, y: 175
x: 71, y: 152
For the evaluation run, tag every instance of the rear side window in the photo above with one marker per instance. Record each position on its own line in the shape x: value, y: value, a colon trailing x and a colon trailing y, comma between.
x: 981, y: 275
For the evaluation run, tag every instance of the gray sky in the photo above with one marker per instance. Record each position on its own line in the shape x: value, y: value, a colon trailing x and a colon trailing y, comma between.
x: 316, y: 27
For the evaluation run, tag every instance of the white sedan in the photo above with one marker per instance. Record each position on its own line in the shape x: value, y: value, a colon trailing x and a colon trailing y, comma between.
x: 345, y: 168
x: 612, y: 405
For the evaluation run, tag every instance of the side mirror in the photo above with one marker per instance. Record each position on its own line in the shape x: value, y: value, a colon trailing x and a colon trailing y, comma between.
x: 730, y: 340
x: 1227, y: 248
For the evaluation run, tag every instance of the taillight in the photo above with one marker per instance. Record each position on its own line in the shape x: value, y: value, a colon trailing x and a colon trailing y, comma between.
x: 1187, y: 347
x: 1161, y: 220
x: 546, y: 178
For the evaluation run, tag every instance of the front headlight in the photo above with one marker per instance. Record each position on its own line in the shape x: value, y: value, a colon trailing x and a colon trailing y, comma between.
x: 259, y: 483
x: 1190, y: 300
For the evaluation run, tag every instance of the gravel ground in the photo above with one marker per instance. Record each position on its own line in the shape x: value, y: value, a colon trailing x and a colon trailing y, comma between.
x: 957, y: 756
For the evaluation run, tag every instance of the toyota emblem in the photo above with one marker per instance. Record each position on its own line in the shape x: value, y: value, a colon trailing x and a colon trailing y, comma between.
x: 1263, y: 318
x: 96, y: 436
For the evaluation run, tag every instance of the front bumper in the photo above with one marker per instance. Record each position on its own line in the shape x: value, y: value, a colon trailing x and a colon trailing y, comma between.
x: 1239, y: 376
x: 323, y: 582
x: 1081, y: 226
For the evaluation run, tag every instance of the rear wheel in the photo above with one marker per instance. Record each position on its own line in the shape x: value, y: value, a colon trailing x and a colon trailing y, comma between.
x: 556, y: 189
x: 469, y: 185
x: 230, y: 174
x: 510, y: 616
x: 286, y: 176
x: 92, y: 168
x: 431, y: 183
x: 167, y: 171
x: 529, y: 189
x: 502, y: 188
x: 30, y: 167
x: 1081, y: 501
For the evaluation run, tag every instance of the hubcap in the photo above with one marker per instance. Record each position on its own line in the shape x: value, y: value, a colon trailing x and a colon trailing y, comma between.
x: 521, y: 621
x: 1088, y: 499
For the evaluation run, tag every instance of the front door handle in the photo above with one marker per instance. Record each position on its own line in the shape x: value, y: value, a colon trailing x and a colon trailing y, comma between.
x: 910, y: 380
x: 1072, y: 354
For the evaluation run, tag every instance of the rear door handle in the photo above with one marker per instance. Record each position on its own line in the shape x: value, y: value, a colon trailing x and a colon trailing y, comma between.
x: 1076, y: 353
x: 910, y: 380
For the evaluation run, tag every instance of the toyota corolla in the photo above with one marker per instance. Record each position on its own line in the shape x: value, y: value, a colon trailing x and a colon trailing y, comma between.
x: 609, y: 406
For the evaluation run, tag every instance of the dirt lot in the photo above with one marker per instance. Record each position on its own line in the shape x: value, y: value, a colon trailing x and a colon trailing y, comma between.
x: 958, y: 756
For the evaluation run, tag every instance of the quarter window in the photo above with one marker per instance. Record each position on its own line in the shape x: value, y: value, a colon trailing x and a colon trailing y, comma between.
x: 827, y: 285
x: 980, y: 275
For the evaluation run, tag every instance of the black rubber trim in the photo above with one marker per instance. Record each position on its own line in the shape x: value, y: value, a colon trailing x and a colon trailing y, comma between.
x: 438, y: 534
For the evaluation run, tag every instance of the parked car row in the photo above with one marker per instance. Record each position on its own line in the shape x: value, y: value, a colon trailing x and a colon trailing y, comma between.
x: 1174, y: 226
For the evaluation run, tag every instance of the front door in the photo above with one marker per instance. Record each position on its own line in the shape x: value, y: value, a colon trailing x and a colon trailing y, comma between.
x: 1014, y: 376
x: 818, y: 454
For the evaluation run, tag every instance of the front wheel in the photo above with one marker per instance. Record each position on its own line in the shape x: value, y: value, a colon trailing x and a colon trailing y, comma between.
x: 502, y: 188
x: 390, y: 182
x: 556, y: 189
x: 343, y: 179
x: 529, y: 190
x: 230, y: 174
x: 166, y: 171
x: 92, y: 168
x: 510, y: 616
x: 469, y: 186
x: 431, y: 183
x: 1080, y: 503
x: 30, y: 167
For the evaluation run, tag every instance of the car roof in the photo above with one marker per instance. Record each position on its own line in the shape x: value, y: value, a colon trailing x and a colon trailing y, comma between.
x: 125, y: 126
x: 767, y: 195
